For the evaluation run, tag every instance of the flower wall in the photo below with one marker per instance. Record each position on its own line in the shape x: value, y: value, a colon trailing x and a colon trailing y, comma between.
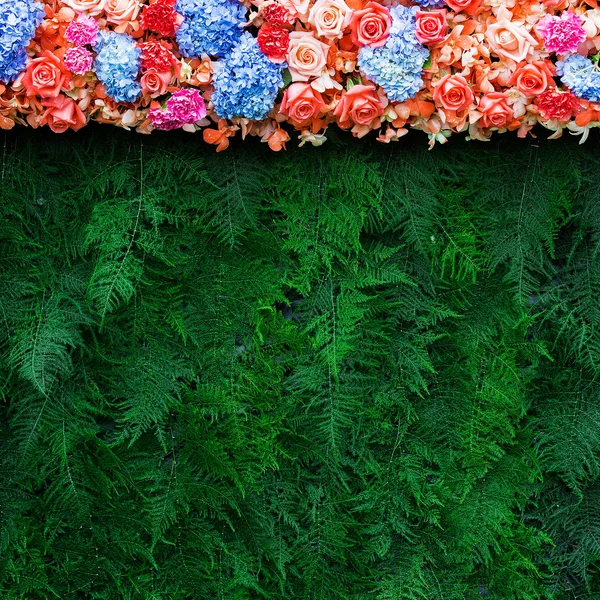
x: 291, y: 68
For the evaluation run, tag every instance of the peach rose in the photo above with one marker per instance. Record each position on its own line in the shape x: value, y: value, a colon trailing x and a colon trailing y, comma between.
x: 155, y: 83
x: 494, y: 110
x: 91, y: 7
x: 329, y: 18
x: 296, y: 7
x: 301, y: 103
x: 306, y: 56
x: 62, y: 113
x: 509, y: 40
x: 371, y: 25
x: 452, y: 92
x: 121, y: 12
x: 431, y: 26
x: 45, y: 76
x: 468, y: 6
x: 359, y: 104
x: 534, y: 78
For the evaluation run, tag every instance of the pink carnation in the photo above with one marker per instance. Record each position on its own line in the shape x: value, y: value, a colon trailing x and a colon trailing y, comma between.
x: 78, y: 60
x: 561, y: 34
x: 83, y: 31
x: 184, y: 107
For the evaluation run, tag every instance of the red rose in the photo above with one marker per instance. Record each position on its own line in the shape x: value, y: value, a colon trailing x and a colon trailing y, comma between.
x: 558, y: 106
x: 371, y: 25
x: 431, y: 26
x: 45, y: 76
x: 160, y: 17
x: 495, y: 110
x: 62, y: 113
x: 469, y: 6
x: 273, y: 42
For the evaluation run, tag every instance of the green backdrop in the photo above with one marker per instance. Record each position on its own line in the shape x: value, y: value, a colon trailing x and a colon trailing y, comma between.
x: 352, y: 372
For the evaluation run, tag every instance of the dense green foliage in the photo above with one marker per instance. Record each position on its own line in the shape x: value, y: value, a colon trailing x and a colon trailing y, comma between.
x: 357, y: 372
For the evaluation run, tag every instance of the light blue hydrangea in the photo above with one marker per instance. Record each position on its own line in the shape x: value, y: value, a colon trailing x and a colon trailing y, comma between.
x: 18, y: 22
x: 398, y: 65
x: 117, y: 64
x: 581, y: 76
x: 246, y: 82
x: 210, y: 27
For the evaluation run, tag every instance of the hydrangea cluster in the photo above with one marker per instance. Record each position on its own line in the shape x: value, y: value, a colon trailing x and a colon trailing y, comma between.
x: 247, y: 82
x: 18, y: 22
x: 397, y: 66
x: 430, y: 3
x: 580, y: 75
x: 117, y: 65
x: 562, y: 34
x: 210, y: 27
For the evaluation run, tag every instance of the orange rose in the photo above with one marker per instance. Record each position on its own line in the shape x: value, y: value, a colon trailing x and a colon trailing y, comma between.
x: 121, y: 12
x: 360, y: 104
x: 62, y: 113
x: 469, y: 6
x: 534, y: 78
x: 45, y: 76
x: 301, y: 103
x: 495, y: 110
x: 155, y: 83
x: 371, y: 25
x: 452, y: 92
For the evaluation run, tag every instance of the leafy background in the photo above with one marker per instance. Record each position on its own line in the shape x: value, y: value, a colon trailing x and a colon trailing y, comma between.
x: 355, y: 372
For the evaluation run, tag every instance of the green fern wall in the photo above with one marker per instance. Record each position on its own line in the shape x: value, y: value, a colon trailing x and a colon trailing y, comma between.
x: 356, y: 372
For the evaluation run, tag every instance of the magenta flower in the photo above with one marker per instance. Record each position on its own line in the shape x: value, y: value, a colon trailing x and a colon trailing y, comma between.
x: 561, y: 34
x: 78, y: 60
x: 82, y: 32
x: 184, y: 107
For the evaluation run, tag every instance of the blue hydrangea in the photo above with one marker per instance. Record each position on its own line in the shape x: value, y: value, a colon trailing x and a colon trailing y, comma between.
x: 210, y: 27
x: 18, y: 22
x: 246, y: 82
x: 117, y: 64
x: 580, y: 75
x: 398, y: 65
x: 430, y: 3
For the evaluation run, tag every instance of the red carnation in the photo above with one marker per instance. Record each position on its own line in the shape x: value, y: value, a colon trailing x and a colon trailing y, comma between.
x: 273, y: 42
x: 156, y: 55
x: 160, y: 17
x: 558, y: 106
x: 276, y: 14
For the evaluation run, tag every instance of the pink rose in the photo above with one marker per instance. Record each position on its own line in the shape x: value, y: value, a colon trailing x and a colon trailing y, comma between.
x: 509, y: 40
x: 495, y: 110
x: 62, y: 113
x: 469, y: 6
x: 301, y: 103
x: 329, y: 18
x: 360, y: 104
x: 431, y: 26
x: 534, y: 78
x: 91, y: 7
x: 121, y: 12
x: 452, y: 92
x: 306, y: 56
x: 155, y: 83
x: 371, y: 25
